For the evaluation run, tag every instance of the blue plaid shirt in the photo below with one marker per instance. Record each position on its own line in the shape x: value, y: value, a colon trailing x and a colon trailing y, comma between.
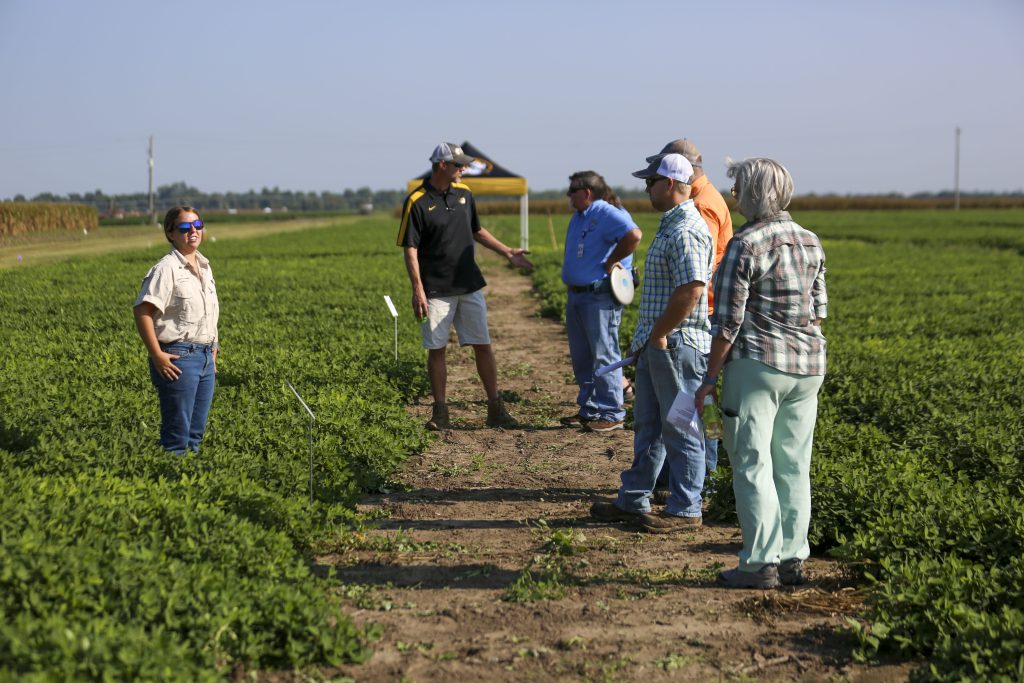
x: 682, y: 252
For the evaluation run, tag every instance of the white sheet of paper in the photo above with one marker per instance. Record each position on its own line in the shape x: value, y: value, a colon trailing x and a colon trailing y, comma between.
x: 683, y: 414
x: 614, y: 366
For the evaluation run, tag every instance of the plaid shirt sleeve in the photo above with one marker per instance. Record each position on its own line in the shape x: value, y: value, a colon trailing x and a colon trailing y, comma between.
x: 819, y: 296
x: 731, y: 292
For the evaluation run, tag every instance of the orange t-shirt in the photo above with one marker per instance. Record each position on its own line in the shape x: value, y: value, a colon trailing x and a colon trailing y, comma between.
x: 716, y: 214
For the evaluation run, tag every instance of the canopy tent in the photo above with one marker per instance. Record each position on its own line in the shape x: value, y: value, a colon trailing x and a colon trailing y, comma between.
x: 484, y: 176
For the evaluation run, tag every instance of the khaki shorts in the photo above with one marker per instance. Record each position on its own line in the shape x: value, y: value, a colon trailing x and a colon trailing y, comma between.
x: 467, y: 311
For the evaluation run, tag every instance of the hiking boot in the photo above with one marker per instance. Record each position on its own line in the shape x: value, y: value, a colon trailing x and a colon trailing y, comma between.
x: 608, y: 511
x: 659, y: 496
x: 664, y: 523
x: 438, y: 418
x: 791, y: 572
x: 576, y: 420
x: 765, y: 577
x: 602, y: 425
x: 497, y: 415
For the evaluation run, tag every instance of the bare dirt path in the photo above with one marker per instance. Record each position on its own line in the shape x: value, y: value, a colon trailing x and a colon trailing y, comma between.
x: 483, y: 505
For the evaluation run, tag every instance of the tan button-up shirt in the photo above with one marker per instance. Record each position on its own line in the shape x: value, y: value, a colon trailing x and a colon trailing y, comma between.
x: 187, y: 300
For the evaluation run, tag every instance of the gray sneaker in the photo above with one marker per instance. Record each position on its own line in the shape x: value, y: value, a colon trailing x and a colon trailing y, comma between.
x: 497, y: 415
x: 765, y: 577
x: 791, y: 572
x: 438, y: 418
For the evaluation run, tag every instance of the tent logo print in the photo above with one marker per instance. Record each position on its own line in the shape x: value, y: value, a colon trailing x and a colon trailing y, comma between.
x: 479, y: 167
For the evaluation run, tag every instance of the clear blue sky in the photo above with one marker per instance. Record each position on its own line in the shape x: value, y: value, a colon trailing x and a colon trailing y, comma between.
x: 853, y: 97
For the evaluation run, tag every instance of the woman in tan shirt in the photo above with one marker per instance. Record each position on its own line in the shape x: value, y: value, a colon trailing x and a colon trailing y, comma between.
x: 176, y: 315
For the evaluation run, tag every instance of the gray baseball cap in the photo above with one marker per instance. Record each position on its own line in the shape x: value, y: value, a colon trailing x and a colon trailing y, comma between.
x: 449, y: 151
x: 680, y: 146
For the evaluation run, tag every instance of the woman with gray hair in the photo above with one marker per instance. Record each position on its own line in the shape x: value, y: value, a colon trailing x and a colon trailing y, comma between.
x: 766, y: 334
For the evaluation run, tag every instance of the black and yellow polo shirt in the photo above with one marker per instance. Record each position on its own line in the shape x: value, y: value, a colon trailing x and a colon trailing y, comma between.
x: 441, y: 225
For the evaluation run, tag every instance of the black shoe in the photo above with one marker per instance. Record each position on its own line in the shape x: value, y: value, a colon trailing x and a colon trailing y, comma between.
x: 607, y: 511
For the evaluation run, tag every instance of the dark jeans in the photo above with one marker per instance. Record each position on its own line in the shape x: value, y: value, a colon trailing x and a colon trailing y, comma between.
x: 185, y: 402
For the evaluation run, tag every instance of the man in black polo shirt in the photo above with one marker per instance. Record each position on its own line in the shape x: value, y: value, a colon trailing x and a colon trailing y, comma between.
x: 439, y: 226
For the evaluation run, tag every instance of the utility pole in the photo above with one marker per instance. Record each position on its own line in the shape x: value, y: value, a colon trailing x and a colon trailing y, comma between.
x: 956, y: 173
x: 152, y: 202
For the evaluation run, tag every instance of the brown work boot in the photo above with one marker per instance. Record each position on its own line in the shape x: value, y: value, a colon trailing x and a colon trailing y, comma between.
x: 576, y: 420
x: 438, y: 418
x: 603, y: 425
x: 663, y: 523
x: 497, y: 415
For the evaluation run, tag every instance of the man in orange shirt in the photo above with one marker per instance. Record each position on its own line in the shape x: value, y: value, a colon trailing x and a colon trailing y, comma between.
x: 712, y: 207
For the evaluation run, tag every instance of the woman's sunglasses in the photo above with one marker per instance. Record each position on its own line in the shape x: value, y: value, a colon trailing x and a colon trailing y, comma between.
x: 185, y: 227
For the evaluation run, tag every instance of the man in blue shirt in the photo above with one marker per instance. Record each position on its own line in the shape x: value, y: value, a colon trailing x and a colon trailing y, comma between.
x: 600, y: 238
x: 670, y: 348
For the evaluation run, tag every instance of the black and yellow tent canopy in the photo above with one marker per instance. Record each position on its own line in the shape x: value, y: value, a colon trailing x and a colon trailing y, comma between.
x: 485, y: 177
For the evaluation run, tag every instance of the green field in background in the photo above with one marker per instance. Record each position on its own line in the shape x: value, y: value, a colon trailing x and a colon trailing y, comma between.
x: 117, y: 558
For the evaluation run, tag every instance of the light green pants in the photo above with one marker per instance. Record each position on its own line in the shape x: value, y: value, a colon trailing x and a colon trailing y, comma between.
x: 768, y: 426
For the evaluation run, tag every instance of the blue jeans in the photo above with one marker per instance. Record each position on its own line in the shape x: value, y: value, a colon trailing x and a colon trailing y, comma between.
x: 710, y: 455
x: 185, y: 402
x: 710, y: 462
x: 592, y: 324
x: 660, y: 375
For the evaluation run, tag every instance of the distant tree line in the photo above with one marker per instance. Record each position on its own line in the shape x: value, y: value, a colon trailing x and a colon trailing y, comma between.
x: 363, y: 199
x: 275, y: 199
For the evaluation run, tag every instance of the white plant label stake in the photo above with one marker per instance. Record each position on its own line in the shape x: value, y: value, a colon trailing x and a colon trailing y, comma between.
x: 309, y: 433
x: 394, y: 314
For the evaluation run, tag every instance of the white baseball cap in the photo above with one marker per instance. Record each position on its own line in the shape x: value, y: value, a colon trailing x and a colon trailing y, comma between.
x: 674, y: 166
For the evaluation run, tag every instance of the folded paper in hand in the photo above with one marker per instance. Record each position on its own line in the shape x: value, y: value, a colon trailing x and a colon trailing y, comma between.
x: 628, y: 360
x: 683, y: 414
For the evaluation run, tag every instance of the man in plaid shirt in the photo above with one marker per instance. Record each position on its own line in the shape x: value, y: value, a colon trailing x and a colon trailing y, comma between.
x: 670, y: 348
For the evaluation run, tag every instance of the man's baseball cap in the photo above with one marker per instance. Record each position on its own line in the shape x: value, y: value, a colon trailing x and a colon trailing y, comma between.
x: 449, y: 151
x: 680, y: 146
x: 674, y: 166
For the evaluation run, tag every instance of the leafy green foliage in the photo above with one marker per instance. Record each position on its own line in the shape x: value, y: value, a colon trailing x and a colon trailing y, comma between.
x: 918, y: 470
x: 121, y: 562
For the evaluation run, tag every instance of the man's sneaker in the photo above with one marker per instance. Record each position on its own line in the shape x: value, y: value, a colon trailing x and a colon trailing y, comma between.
x: 607, y: 511
x: 497, y: 415
x: 603, y: 425
x: 791, y: 572
x: 576, y: 420
x: 663, y: 523
x: 765, y: 577
x: 438, y: 418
